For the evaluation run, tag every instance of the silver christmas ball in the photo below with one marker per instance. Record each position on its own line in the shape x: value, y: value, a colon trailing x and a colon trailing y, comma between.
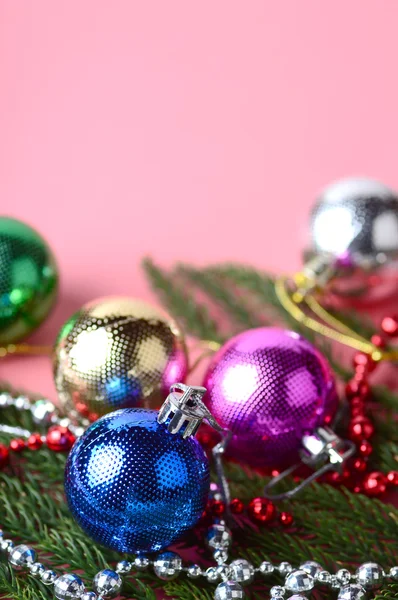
x: 266, y: 568
x: 242, y: 571
x: 354, y: 226
x: 285, y: 568
x: 48, y: 577
x: 311, y: 567
x: 324, y: 577
x: 343, y: 576
x: 393, y: 574
x: 167, y: 565
x: 68, y: 587
x: 36, y: 569
x: 6, y: 545
x: 141, y: 563
x: 357, y: 219
x: 299, y: 581
x: 218, y: 536
x: 229, y: 590
x: 107, y: 583
x: 370, y: 575
x: 124, y: 566
x: 353, y: 591
x: 194, y: 571
x: 22, y: 556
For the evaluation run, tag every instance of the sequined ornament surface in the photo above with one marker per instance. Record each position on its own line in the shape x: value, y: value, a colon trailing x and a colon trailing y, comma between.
x: 132, y: 485
x: 270, y: 387
x: 28, y: 280
x: 117, y: 352
x: 355, y: 222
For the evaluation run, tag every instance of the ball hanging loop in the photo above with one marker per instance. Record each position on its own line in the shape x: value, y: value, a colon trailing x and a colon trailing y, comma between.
x: 322, y: 450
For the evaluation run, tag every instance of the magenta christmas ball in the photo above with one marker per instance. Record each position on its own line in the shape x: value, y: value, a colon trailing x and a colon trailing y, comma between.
x: 270, y: 387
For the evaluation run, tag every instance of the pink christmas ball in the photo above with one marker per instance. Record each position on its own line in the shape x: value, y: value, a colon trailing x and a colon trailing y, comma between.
x: 270, y: 387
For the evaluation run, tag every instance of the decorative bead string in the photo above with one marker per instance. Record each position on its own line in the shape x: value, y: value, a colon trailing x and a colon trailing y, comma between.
x: 60, y: 436
x: 360, y: 427
x: 260, y: 510
x: 233, y: 576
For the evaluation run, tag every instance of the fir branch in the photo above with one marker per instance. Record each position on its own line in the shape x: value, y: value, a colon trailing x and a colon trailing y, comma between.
x: 182, y: 306
x: 244, y: 311
x: 386, y: 397
x: 217, y: 290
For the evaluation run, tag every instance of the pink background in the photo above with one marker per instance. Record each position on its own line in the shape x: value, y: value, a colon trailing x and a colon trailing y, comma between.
x: 198, y: 131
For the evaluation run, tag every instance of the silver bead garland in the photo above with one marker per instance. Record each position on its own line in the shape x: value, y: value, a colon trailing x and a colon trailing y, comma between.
x: 229, y: 578
x: 44, y: 413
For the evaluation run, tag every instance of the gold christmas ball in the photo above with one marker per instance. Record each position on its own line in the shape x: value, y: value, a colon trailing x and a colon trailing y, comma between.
x: 117, y: 352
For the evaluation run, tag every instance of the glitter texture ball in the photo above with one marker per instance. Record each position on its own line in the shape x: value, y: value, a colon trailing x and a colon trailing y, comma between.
x: 117, y: 352
x: 355, y: 222
x: 269, y: 386
x: 28, y: 280
x: 133, y: 486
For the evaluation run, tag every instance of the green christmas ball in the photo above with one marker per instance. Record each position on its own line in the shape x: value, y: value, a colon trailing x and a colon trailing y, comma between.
x: 28, y: 280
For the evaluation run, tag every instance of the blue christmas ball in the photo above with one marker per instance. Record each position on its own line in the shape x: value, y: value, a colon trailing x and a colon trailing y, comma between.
x: 132, y: 485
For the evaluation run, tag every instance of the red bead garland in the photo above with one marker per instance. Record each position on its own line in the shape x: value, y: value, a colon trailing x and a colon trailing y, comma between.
x: 216, y: 508
x: 261, y: 510
x: 34, y: 441
x: 374, y: 484
x: 58, y: 439
x: 392, y: 478
x: 389, y: 326
x: 4, y: 456
x: 237, y: 507
x: 17, y: 445
x: 361, y: 428
x: 365, y: 448
x: 286, y: 519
